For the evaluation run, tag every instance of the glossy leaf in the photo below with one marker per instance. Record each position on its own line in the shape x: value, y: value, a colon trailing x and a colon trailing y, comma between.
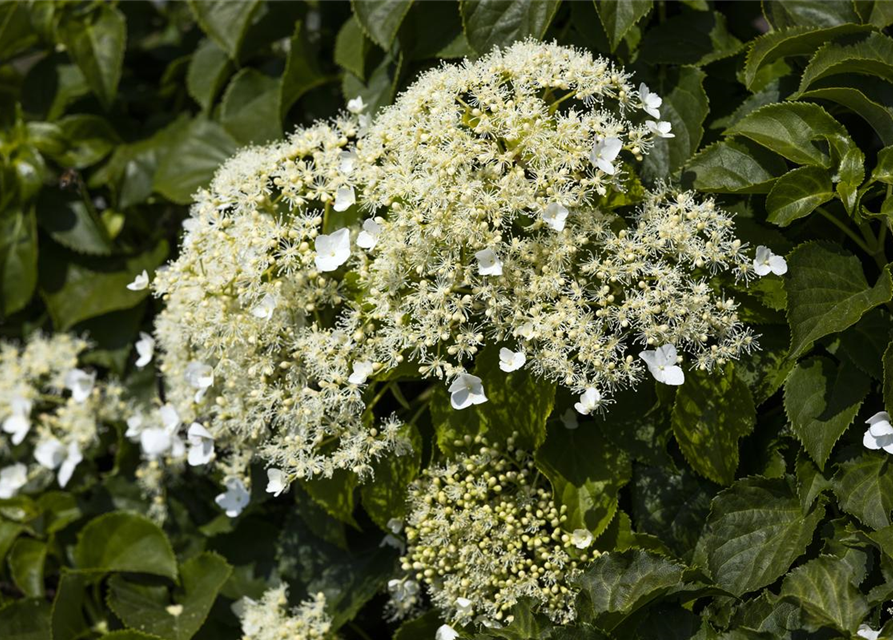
x: 18, y: 259
x: 250, y: 110
x: 619, y: 16
x: 209, y: 68
x: 26, y: 619
x: 381, y: 19
x: 822, y: 587
x: 864, y: 488
x: 26, y: 561
x: 872, y: 56
x: 797, y: 194
x: 121, y: 541
x: 491, y: 23
x: 734, y: 166
x: 225, y: 22
x: 190, y: 162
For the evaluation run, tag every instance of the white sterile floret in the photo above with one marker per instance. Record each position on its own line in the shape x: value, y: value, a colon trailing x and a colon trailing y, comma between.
x: 464, y: 607
x: 662, y: 365
x: 145, y: 348
x: 466, y: 390
x: 356, y: 105
x: 368, y: 237
x: 581, y: 538
x: 18, y: 422
x: 170, y: 418
x: 140, y: 282
x: 395, y: 525
x: 80, y: 383
x: 660, y: 129
x: 868, y: 633
x: 590, y: 400
x: 265, y: 308
x: 201, y: 445
x: 199, y: 376
x: 236, y: 497
x: 604, y: 152
x: 511, y: 360
x: 555, y: 216
x: 12, y: 478
x: 650, y: 101
x: 489, y: 263
x: 276, y: 482
x: 332, y: 250
x: 154, y: 442
x: 766, y: 262
x: 345, y: 197
x: 361, y: 371
x: 49, y: 453
x: 73, y: 458
x: 879, y: 434
x: 348, y: 162
x: 445, y: 632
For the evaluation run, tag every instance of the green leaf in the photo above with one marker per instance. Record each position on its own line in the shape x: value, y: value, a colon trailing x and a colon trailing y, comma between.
x: 713, y: 410
x: 619, y: 16
x: 823, y: 589
x: 619, y: 584
x: 754, y: 533
x: 685, y: 106
x: 861, y: 343
x: 301, y: 71
x: 335, y: 494
x: 78, y: 288
x: 872, y: 56
x: 791, y: 129
x: 225, y: 22
x: 9, y: 532
x: 850, y: 175
x: 517, y: 402
x: 827, y: 292
x: 586, y: 474
x: 148, y: 608
x: 888, y: 379
x: 422, y: 628
x: 876, y: 12
x: 381, y: 19
x: 89, y: 139
x: 638, y: 423
x: 26, y: 619
x: 797, y: 194
x: 864, y: 488
x: 689, y: 38
x: 734, y: 166
x: 209, y: 68
x: 18, y: 259
x: 96, y: 44
x: 795, y: 41
x: 26, y: 560
x: 878, y: 115
x: 378, y: 91
x: 384, y: 497
x: 249, y: 110
x: 764, y: 371
x: 121, y: 541
x: 499, y: 23
x: 72, y: 223
x: 808, y: 13
x: 191, y: 161
x: 883, y: 171
x: 351, y: 48
x: 811, y: 482
x: 821, y: 401
x: 16, y: 34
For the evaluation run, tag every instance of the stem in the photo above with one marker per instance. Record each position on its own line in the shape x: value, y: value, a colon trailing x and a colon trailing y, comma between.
x: 843, y: 227
x: 358, y: 631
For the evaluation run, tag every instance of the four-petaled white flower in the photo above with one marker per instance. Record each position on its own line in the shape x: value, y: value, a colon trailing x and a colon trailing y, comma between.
x: 466, y: 390
x: 276, y: 482
x: 332, y: 250
x: 235, y: 498
x: 140, y: 282
x: 464, y: 606
x: 604, y: 152
x: 80, y: 383
x: 650, y: 101
x: 12, y: 478
x: 589, y: 401
x: 581, y: 538
x: 403, y: 590
x: 356, y: 105
x: 511, y: 360
x: 662, y: 365
x: 49, y: 453
x: 867, y: 632
x: 264, y: 309
x: 345, y: 197
x: 368, y: 237
x: 18, y: 422
x: 569, y: 419
x: 145, y: 348
x: 72, y: 460
x: 361, y: 371
x: 134, y: 426
x: 154, y: 442
x: 880, y: 433
x: 555, y: 215
x: 395, y: 525
x: 661, y: 129
x: 348, y: 162
x: 201, y: 445
x: 446, y: 632
x: 489, y: 263
x: 767, y: 262
x: 199, y: 376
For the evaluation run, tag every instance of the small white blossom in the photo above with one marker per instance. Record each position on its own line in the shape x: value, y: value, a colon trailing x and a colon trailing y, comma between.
x: 403, y: 590
x: 446, y: 632
x: 581, y: 538
x: 72, y: 460
x: 49, y: 453
x: 80, y: 383
x: 555, y: 215
x: 145, y: 348
x: 589, y: 401
x: 569, y: 419
x: 154, y: 442
x: 345, y: 197
x: 356, y: 105
x: 662, y: 365
x: 18, y: 423
x: 276, y: 482
x: 201, y: 445
x: 511, y: 360
x: 361, y: 371
x: 134, y: 426
x: 332, y: 250
x: 650, y: 101
x: 265, y: 308
x: 767, y: 262
x: 604, y: 152
x: 348, y: 162
x: 170, y: 419
x: 867, y: 632
x: 234, y: 499
x: 368, y: 237
x: 140, y: 282
x: 12, y: 478
x: 464, y: 606
x: 466, y: 390
x: 394, y: 542
x: 879, y: 434
x: 199, y: 376
x: 395, y: 525
x: 661, y: 129
x: 489, y: 263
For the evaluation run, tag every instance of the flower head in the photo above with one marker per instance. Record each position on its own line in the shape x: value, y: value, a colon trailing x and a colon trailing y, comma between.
x: 662, y: 365
x: 581, y: 538
x: 332, y: 250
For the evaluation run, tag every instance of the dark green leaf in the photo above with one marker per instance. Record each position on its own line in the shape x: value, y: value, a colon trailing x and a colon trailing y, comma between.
x: 27, y: 619
x: 735, y: 166
x: 811, y: 482
x: 689, y: 38
x: 764, y: 371
x: 422, y: 628
x: 797, y: 193
x: 384, y: 496
x: 883, y: 171
x: 499, y: 23
x: 823, y: 589
x: 381, y: 19
x: 89, y: 138
x: 861, y: 343
x: 888, y: 379
x: 878, y: 115
x: 378, y: 91
x: 72, y: 222
x: 18, y: 259
x: 828, y: 13
x: 121, y: 541
x: 872, y: 56
x: 335, y: 494
x: 225, y: 22
x: 250, y: 108
x: 208, y: 70
x: 301, y: 71
x: 26, y: 560
x: 351, y: 48
x: 864, y: 487
x: 619, y: 16
x: 16, y: 34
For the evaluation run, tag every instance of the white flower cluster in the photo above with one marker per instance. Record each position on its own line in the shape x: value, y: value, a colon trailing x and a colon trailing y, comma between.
x: 483, y: 532
x: 52, y: 412
x: 270, y: 618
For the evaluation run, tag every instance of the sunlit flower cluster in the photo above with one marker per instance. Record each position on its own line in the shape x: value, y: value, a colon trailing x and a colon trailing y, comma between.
x: 271, y: 619
x: 483, y: 532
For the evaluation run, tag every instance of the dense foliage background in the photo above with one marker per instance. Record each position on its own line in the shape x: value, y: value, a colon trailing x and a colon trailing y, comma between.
x: 742, y: 506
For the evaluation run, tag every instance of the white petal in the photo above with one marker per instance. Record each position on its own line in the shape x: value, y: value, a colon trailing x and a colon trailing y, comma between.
x: 673, y: 376
x: 445, y: 632
x: 332, y: 250
x: 869, y: 441
x: 73, y: 459
x: 510, y: 360
x: 880, y: 416
x: 49, y: 453
x: 356, y: 105
x: 170, y: 419
x: 154, y: 442
x: 581, y: 538
x: 17, y: 425
x: 276, y: 483
x: 778, y: 265
x: 140, y: 282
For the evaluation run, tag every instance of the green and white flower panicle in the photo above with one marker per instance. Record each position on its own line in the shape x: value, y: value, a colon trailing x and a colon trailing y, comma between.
x: 271, y: 619
x: 483, y: 532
